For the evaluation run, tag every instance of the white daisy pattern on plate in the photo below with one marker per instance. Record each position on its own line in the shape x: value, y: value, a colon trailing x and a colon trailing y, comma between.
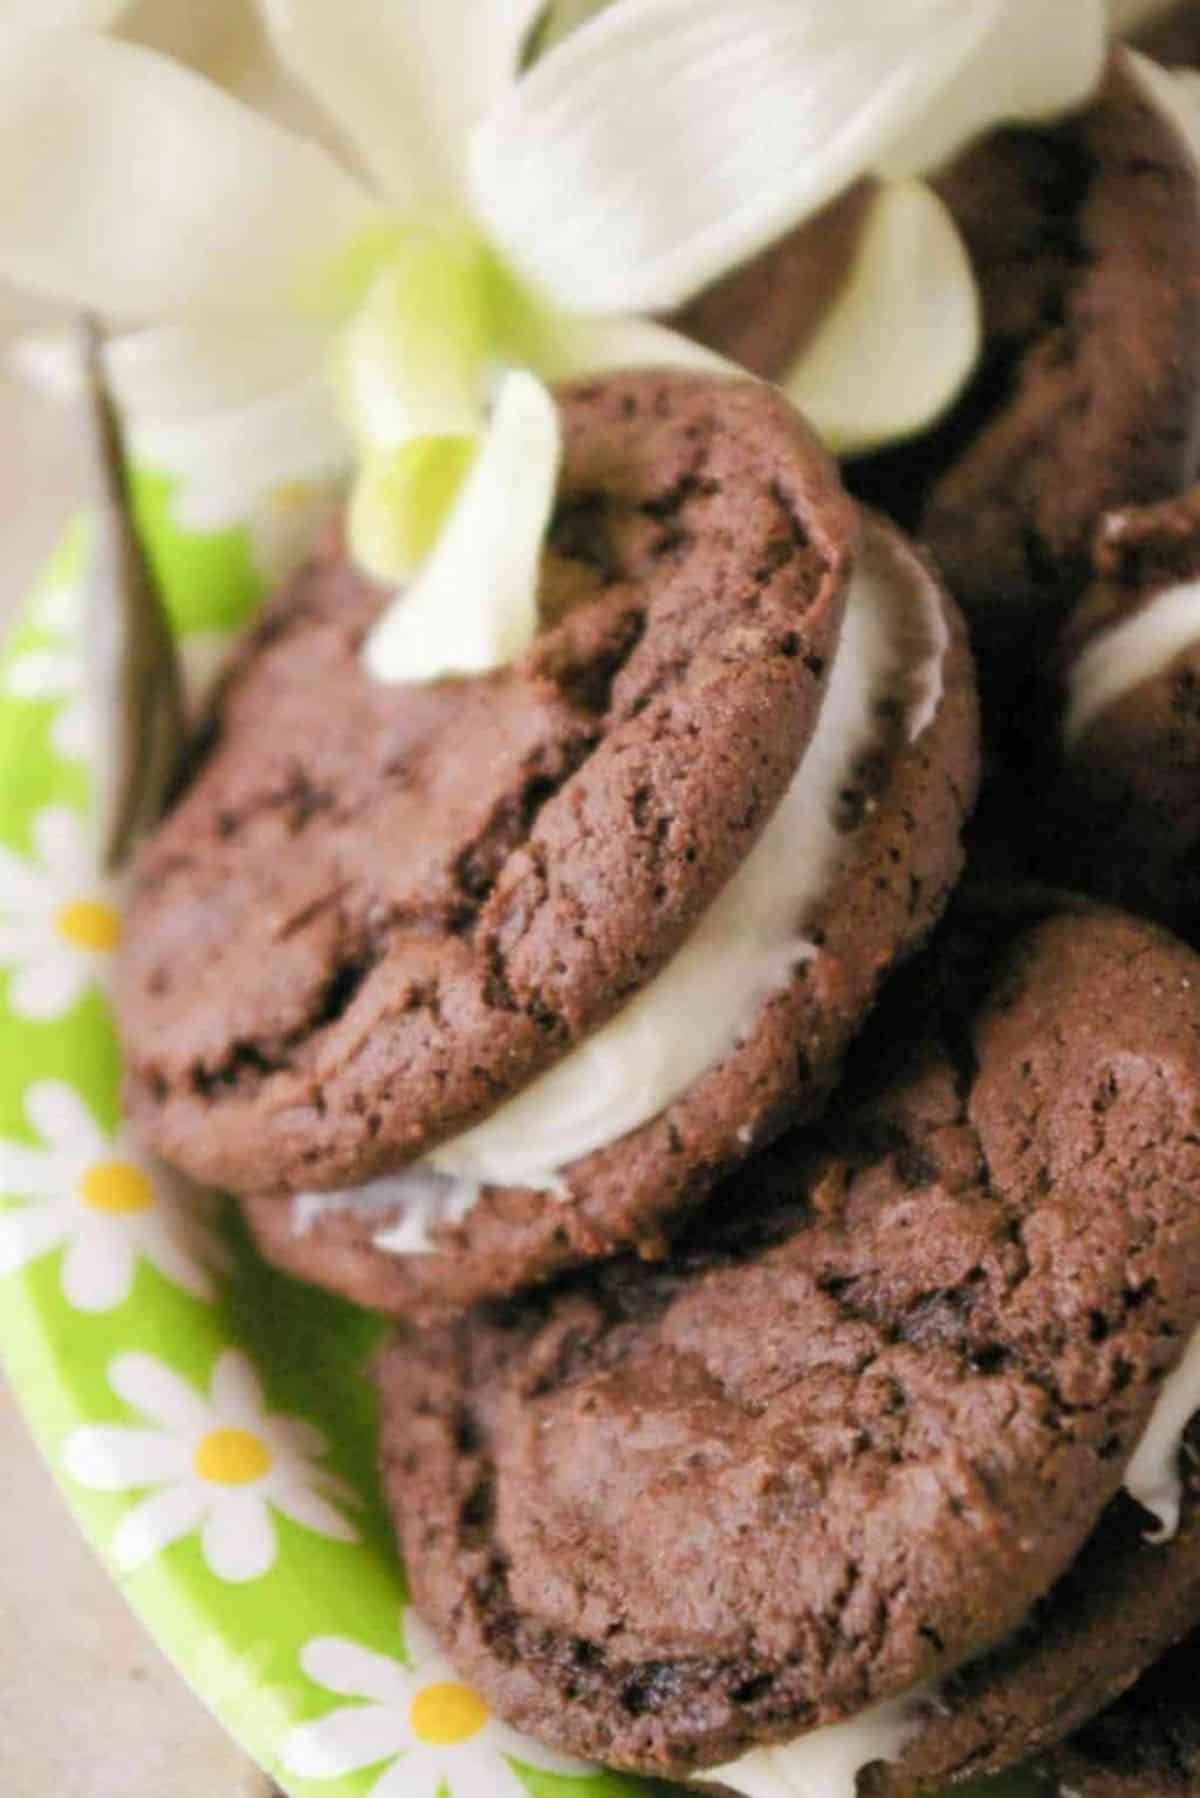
x: 56, y: 674
x: 105, y: 1203
x: 436, y: 1733
x: 59, y: 922
x: 219, y: 1463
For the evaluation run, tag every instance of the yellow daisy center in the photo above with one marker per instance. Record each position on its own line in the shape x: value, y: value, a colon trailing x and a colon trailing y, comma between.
x: 232, y: 1458
x: 116, y: 1187
x: 89, y: 924
x: 446, y: 1715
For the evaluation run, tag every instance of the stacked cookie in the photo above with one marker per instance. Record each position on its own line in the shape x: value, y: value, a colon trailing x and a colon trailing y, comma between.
x: 799, y: 1356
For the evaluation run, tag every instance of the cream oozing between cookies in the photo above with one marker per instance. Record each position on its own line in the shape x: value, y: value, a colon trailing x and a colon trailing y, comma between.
x: 747, y: 947
x: 1130, y: 654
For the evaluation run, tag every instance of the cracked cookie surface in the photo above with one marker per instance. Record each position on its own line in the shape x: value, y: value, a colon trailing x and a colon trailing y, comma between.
x: 871, y: 1410
x: 379, y: 910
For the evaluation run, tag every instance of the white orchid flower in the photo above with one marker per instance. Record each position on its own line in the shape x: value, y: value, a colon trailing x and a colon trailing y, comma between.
x: 515, y: 223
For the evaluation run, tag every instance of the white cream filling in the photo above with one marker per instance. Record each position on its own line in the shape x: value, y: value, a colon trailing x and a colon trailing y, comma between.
x: 1153, y: 1476
x: 745, y: 948
x: 827, y: 1762
x: 1130, y: 654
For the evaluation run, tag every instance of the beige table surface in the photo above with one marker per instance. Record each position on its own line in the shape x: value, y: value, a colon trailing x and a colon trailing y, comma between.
x: 88, y: 1706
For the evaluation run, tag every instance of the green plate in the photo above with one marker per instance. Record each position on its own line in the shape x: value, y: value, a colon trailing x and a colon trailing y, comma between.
x: 166, y: 1373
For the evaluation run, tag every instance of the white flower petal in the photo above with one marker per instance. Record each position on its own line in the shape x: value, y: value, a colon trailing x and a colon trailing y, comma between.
x: 575, y: 347
x: 114, y: 1458
x: 48, y: 988
x: 239, y: 1538
x: 405, y: 79
x: 348, y: 1739
x: 43, y: 674
x: 151, y: 1387
x: 900, y: 341
x: 411, y: 362
x: 353, y: 1671
x: 423, y: 1773
x: 503, y: 1740
x: 293, y: 1436
x: 1035, y: 62
x: 30, y: 1173
x: 30, y: 1231
x: 42, y: 14
x: 186, y: 370
x: 312, y: 1512
x: 72, y: 732
x: 237, y: 1394
x: 62, y: 1119
x: 474, y: 604
x: 180, y: 1256
x: 226, y: 461
x: 130, y: 185
x: 98, y: 1269
x: 159, y: 1520
x: 61, y: 844
x: 670, y: 139
x: 60, y: 609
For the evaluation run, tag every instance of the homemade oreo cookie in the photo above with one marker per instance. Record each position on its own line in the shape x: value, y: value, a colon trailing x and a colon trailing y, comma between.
x: 1086, y: 243
x: 743, y: 1029
x: 1147, y: 1745
x: 670, y: 691
x: 1125, y: 818
x: 844, y: 1442
x: 379, y: 910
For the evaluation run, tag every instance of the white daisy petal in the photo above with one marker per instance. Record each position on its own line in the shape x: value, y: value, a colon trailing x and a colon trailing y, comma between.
x: 159, y: 1520
x: 59, y: 836
x: 239, y: 1538
x: 193, y: 367
x: 29, y: 1173
x: 17, y: 879
x: 43, y: 674
x: 62, y: 1119
x: 29, y: 1231
x: 348, y: 1739
x: 406, y: 80
x: 473, y: 606
x: 72, y: 733
x: 422, y: 1774
x: 503, y: 1740
x: 48, y: 987
x: 1035, y: 62
x: 99, y: 1266
x: 237, y: 1394
x: 574, y: 348
x: 312, y: 1512
x: 421, y: 1647
x: 899, y: 343
x: 196, y: 201
x: 352, y: 1671
x: 323, y: 1479
x: 181, y: 1259
x: 115, y: 1458
x: 782, y: 104
x: 150, y: 1386
x: 293, y: 1435
x: 60, y: 609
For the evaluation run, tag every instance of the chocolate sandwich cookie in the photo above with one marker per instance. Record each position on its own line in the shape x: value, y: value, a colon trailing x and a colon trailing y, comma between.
x: 868, y: 1414
x: 1086, y: 243
x: 1147, y: 1745
x: 380, y: 910
x: 1125, y: 816
x: 742, y: 1031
